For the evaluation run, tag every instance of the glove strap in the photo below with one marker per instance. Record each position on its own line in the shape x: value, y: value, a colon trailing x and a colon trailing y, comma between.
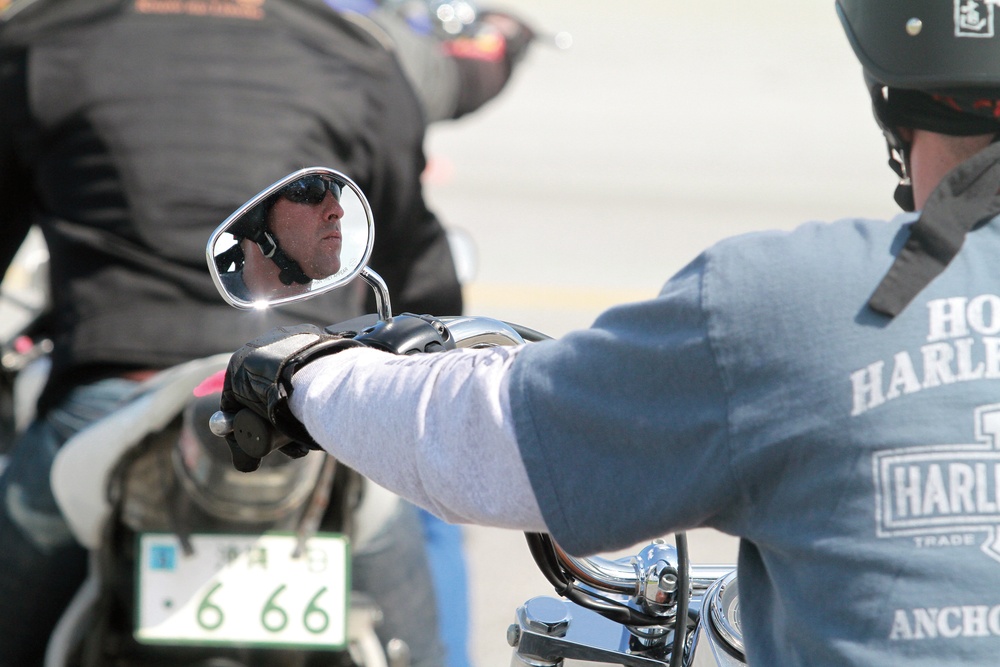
x: 280, y: 415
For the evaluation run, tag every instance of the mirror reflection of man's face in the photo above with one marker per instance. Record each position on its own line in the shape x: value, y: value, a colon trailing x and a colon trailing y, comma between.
x: 309, y: 233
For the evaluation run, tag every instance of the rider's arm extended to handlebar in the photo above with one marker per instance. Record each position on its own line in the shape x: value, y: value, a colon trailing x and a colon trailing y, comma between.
x: 340, y: 397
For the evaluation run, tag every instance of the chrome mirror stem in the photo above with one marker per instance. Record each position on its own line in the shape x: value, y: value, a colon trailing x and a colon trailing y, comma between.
x: 382, y: 304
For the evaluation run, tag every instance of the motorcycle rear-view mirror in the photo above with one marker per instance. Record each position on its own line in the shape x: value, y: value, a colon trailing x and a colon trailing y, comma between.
x: 310, y: 232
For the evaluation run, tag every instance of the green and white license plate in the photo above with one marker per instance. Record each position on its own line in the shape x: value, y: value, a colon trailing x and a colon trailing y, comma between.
x: 243, y: 590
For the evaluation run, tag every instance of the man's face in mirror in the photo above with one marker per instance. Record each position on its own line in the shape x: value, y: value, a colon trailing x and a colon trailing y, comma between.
x: 309, y: 232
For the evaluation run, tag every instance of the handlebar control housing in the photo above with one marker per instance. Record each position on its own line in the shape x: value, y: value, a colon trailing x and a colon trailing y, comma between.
x: 408, y: 334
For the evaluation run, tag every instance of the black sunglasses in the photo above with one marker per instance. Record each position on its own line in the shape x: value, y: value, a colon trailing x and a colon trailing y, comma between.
x: 311, y: 190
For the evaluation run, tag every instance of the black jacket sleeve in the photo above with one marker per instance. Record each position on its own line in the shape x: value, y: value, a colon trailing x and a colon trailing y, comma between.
x: 15, y: 184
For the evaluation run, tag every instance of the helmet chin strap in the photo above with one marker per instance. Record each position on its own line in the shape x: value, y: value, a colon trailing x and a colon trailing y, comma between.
x: 290, y: 271
x: 899, y: 149
x: 903, y: 195
x: 899, y: 158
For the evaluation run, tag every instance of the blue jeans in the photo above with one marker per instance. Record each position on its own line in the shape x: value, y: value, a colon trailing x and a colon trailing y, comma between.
x: 393, y: 570
x: 41, y: 565
x: 446, y: 551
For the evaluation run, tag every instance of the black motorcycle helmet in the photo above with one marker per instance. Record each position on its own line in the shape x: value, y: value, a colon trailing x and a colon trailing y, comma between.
x: 928, y: 64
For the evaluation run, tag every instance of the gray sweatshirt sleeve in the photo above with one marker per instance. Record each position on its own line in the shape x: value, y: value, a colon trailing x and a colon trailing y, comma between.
x: 434, y: 428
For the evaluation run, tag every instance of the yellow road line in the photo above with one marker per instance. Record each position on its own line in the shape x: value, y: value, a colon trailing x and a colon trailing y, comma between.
x: 563, y: 297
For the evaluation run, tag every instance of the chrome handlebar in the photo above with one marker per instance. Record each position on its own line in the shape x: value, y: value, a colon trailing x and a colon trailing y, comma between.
x: 610, y: 576
x: 615, y: 576
x: 476, y: 332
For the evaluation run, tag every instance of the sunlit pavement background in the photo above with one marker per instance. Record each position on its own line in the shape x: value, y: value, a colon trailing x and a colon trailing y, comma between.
x: 606, y: 167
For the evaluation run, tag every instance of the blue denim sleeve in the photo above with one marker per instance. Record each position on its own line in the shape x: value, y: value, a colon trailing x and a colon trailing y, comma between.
x: 623, y: 426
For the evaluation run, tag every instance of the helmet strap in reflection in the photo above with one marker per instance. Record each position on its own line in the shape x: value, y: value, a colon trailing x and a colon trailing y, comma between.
x: 290, y: 272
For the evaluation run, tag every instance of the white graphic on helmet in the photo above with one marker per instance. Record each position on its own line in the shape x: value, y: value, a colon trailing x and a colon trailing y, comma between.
x: 936, y: 492
x: 974, y: 18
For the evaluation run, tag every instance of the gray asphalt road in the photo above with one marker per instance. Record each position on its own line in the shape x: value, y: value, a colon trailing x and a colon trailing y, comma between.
x: 605, y: 168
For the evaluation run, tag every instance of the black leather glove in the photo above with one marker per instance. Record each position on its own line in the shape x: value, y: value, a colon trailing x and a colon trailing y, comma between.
x: 257, y: 385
